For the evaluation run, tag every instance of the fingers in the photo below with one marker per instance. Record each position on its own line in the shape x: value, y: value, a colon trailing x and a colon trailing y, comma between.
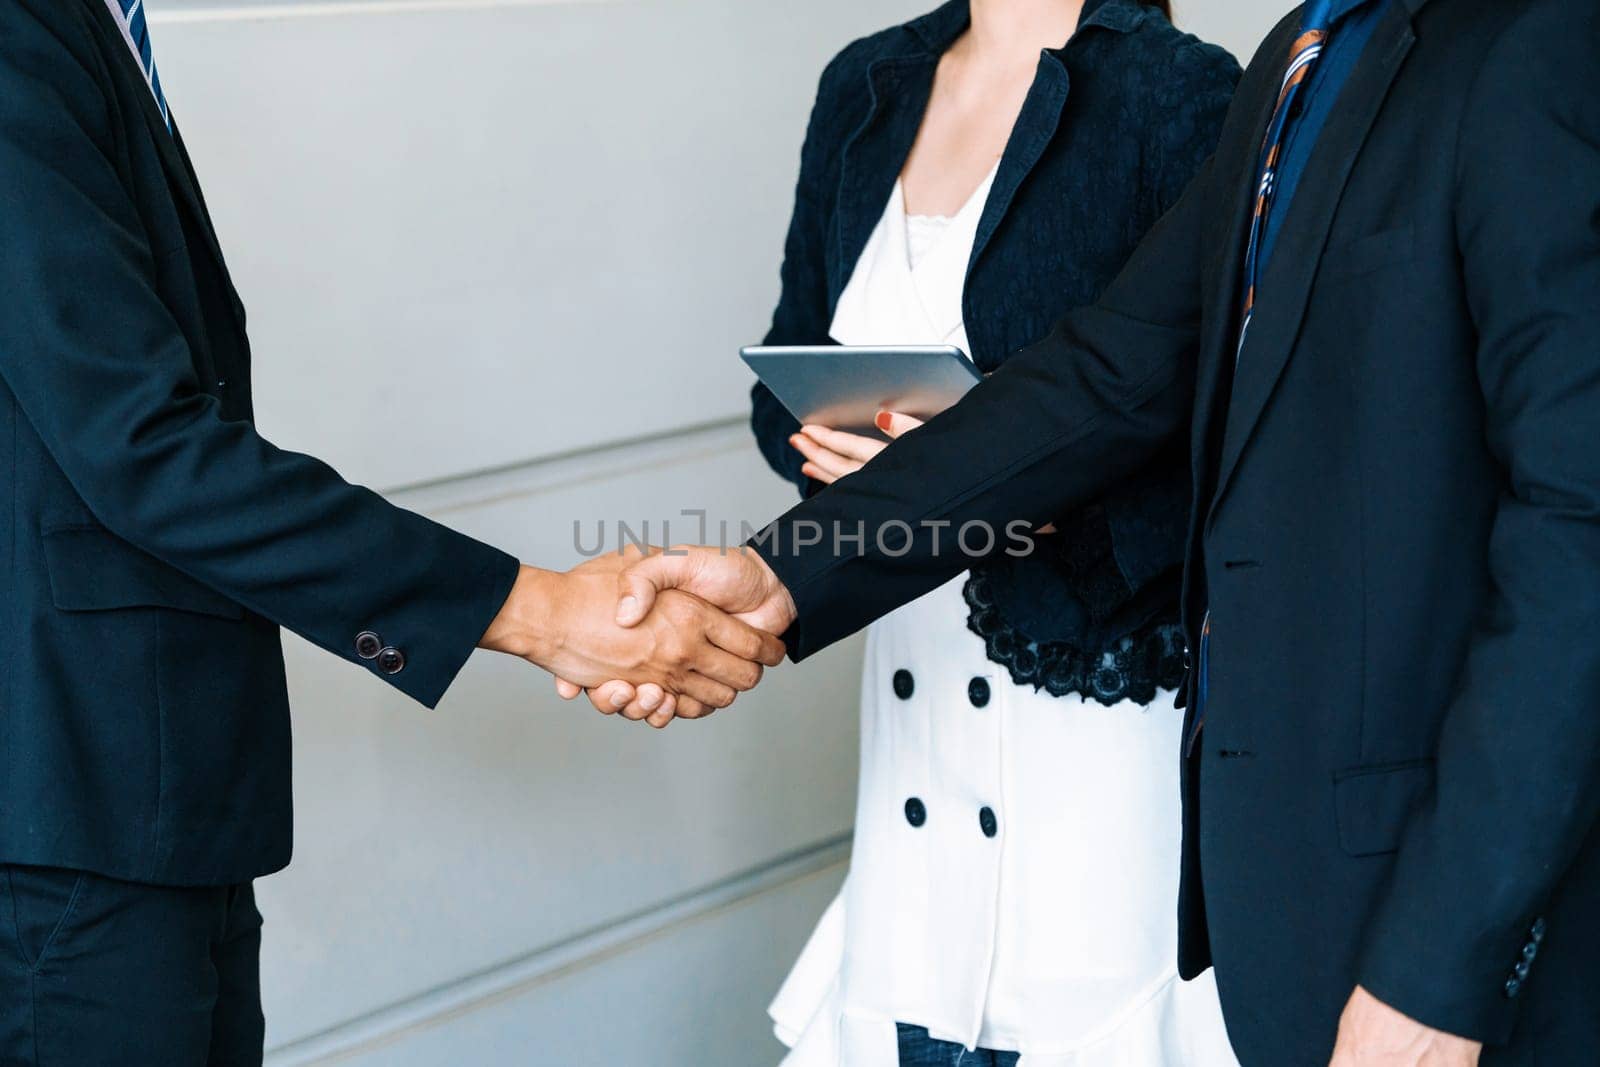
x: 567, y: 690
x: 660, y: 708
x: 894, y: 423
x: 709, y: 691
x: 612, y: 697
x: 672, y: 707
x: 638, y: 586
x: 651, y: 701
x: 662, y: 717
x: 737, y: 581
x: 849, y: 445
x: 653, y: 698
x: 817, y: 474
x: 690, y: 708
x: 824, y: 459
x: 744, y: 641
x: 735, y: 672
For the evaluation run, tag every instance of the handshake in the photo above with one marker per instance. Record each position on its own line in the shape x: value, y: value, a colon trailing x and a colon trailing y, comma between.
x: 653, y: 635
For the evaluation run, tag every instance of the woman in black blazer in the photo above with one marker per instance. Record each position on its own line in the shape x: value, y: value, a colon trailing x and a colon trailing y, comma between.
x: 968, y: 178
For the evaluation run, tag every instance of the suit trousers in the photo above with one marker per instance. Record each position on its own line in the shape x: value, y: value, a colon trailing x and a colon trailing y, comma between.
x: 100, y: 973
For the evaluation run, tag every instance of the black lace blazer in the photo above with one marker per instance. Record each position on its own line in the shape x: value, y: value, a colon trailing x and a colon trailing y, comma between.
x: 1115, y: 125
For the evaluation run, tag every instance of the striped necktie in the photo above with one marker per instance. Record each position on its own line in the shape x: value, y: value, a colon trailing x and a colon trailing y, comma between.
x: 1302, y: 59
x: 139, y: 30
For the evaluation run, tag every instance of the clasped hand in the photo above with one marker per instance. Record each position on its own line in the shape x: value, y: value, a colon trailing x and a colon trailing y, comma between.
x: 678, y: 645
x: 737, y: 581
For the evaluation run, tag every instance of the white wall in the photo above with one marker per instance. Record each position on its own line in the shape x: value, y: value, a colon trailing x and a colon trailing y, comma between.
x: 499, y: 256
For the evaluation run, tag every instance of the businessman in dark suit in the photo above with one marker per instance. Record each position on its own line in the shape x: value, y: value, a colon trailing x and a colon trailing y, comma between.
x: 1376, y: 318
x: 152, y: 543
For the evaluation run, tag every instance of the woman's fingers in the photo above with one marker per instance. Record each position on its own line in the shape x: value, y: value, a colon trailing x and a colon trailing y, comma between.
x: 894, y: 423
x: 824, y: 459
x: 567, y: 690
x: 817, y: 474
x: 849, y: 445
x: 832, y: 454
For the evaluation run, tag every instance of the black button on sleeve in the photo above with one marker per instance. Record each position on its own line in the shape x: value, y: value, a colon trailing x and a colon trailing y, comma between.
x: 904, y: 684
x: 1513, y: 986
x: 978, y: 692
x: 391, y: 661
x: 988, y: 823
x: 916, y: 812
x: 368, y: 644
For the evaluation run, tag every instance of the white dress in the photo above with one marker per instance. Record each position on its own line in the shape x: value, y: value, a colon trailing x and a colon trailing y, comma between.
x: 1015, y: 875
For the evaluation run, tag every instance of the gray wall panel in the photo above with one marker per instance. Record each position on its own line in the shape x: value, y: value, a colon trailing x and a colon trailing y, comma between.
x: 431, y: 845
x: 691, y: 996
x: 470, y: 238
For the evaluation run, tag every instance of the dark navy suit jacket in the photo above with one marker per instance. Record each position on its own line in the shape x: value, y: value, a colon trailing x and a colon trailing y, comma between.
x: 1396, y: 528
x: 152, y: 543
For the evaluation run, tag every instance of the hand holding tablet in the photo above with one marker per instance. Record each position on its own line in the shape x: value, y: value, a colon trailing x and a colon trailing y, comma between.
x: 844, y: 388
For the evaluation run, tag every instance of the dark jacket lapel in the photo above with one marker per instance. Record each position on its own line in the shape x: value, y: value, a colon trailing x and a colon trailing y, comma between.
x: 195, y: 199
x: 1040, y: 118
x: 1286, y: 285
x: 900, y: 86
x: 1214, y: 374
x: 1035, y: 128
x: 874, y: 154
x: 174, y: 160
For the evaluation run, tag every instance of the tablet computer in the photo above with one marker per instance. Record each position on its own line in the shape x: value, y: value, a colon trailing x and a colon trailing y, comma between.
x: 844, y: 387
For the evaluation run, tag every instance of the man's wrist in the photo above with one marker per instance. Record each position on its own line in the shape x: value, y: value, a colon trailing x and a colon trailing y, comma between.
x: 788, y: 612
x: 526, y: 625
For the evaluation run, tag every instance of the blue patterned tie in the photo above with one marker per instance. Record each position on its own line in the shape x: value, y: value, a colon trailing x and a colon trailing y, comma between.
x: 139, y: 30
x: 1303, y: 57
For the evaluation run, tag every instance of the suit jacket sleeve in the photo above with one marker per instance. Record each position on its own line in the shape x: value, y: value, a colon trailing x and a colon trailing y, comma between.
x: 102, y: 372
x: 1114, y: 549
x: 1057, y: 425
x: 1518, y: 757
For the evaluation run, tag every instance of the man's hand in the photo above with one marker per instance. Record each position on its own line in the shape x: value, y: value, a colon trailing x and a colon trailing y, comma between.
x: 736, y: 580
x: 649, y: 702
x: 566, y: 624
x: 1372, y: 1034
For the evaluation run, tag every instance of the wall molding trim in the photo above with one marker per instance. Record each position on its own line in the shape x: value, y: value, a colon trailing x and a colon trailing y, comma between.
x: 542, y: 474
x: 394, y: 1023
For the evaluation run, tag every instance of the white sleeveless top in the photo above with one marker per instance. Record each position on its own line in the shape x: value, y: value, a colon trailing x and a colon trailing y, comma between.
x: 1057, y: 936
